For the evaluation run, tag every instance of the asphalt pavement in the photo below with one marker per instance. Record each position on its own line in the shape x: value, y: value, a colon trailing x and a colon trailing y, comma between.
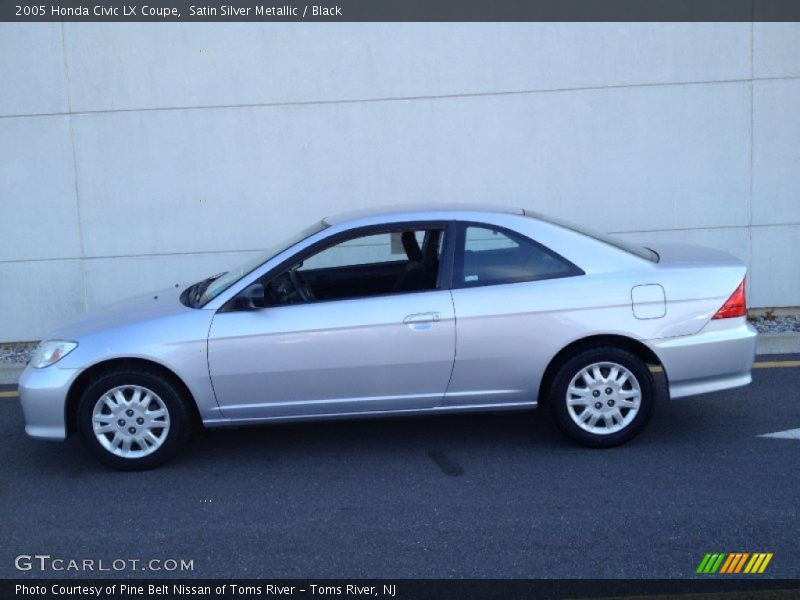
x: 490, y: 495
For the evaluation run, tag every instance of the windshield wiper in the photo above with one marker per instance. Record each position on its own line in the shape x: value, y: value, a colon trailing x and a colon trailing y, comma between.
x: 199, y: 288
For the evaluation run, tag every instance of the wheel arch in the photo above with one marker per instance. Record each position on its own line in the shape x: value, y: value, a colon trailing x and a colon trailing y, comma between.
x: 83, y: 381
x: 632, y: 345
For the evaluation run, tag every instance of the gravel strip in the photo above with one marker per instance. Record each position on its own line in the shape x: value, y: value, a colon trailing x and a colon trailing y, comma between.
x: 20, y: 352
x: 16, y: 352
x: 767, y: 324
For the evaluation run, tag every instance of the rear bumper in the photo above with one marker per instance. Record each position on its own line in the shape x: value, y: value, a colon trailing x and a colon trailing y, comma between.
x: 43, y: 394
x: 719, y: 357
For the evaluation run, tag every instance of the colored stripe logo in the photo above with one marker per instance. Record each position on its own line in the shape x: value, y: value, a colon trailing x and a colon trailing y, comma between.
x: 734, y: 562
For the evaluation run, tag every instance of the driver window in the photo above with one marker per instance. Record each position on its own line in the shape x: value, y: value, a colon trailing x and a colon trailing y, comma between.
x: 396, y: 261
x: 370, y: 249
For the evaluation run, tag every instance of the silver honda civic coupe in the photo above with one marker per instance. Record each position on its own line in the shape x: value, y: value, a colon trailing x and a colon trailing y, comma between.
x: 399, y: 311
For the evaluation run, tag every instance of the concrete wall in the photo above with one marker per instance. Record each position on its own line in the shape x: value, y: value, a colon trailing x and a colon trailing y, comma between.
x: 135, y: 156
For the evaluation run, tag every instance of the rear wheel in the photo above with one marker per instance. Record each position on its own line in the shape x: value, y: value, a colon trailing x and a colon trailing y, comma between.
x: 602, y: 397
x: 132, y: 420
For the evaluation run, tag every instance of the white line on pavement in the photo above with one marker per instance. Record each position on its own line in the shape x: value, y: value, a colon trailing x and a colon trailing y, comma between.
x: 789, y: 434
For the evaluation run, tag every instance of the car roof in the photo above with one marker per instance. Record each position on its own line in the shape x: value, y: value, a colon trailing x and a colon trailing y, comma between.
x: 404, y: 210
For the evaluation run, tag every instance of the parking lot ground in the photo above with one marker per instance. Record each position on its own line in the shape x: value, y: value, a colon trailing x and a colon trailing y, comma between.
x: 489, y: 495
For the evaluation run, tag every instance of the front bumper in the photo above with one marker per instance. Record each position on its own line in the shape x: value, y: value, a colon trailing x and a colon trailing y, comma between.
x: 717, y: 358
x: 43, y: 394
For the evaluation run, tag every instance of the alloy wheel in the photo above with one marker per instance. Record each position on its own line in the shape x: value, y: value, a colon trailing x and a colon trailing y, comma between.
x: 130, y: 421
x: 603, y: 398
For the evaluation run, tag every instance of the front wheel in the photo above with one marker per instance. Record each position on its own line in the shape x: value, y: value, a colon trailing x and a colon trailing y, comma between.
x: 603, y: 397
x: 133, y: 419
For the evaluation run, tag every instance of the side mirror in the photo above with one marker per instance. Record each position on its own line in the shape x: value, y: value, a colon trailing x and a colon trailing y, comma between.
x: 250, y: 298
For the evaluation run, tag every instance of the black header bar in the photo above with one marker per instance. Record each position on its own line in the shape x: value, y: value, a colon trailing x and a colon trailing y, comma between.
x: 400, y: 10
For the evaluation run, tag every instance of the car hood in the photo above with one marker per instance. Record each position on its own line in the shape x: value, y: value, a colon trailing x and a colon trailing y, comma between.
x: 160, y: 303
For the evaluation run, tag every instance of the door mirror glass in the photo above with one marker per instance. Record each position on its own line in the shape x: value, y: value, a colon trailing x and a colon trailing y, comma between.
x: 250, y: 298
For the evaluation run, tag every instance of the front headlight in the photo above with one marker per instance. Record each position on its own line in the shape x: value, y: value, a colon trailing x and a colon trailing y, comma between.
x: 50, y: 352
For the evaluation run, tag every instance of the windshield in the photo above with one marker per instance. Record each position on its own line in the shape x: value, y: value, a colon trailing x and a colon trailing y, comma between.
x: 215, y: 286
x: 639, y: 251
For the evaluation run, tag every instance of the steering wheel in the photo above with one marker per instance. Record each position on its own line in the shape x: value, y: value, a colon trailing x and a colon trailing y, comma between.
x: 301, y: 286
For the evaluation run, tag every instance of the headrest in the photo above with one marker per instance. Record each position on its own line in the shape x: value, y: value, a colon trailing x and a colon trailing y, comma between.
x: 411, y: 246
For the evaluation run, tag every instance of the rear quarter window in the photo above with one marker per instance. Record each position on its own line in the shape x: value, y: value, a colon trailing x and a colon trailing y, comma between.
x: 490, y: 255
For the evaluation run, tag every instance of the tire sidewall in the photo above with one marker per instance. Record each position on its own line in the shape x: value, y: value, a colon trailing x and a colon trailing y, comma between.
x: 178, y: 416
x: 558, y: 396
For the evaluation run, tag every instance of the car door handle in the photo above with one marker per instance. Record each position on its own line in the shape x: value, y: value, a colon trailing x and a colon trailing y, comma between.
x: 427, y: 317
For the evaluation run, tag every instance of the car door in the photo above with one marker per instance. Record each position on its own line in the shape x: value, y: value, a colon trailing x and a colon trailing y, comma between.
x: 371, y: 349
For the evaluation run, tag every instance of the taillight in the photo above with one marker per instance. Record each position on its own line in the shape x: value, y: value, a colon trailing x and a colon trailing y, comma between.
x: 736, y: 305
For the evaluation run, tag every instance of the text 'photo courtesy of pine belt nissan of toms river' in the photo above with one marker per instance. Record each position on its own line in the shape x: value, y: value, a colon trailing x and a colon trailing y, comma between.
x: 400, y: 311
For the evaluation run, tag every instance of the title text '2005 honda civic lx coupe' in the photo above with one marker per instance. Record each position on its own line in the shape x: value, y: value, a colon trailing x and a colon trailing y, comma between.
x: 401, y: 311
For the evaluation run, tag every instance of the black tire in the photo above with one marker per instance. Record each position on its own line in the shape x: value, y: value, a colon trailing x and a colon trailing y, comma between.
x: 177, y: 410
x: 558, y: 398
